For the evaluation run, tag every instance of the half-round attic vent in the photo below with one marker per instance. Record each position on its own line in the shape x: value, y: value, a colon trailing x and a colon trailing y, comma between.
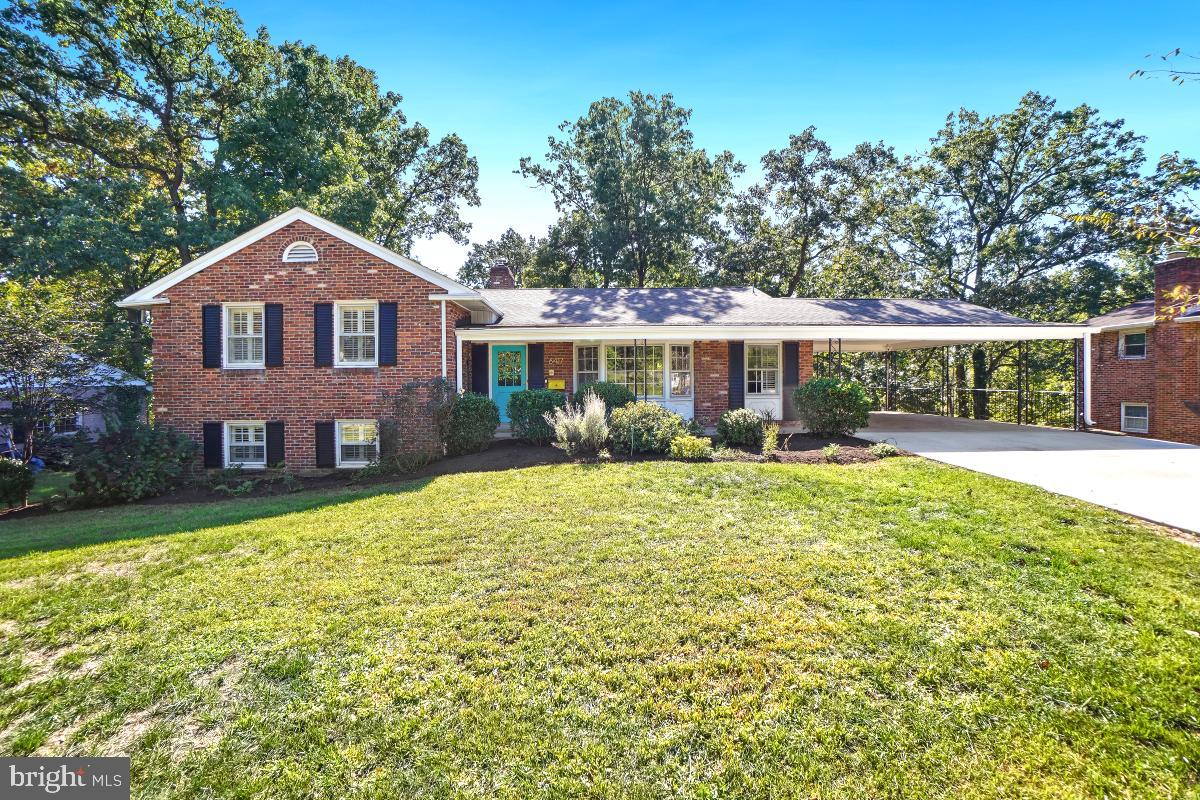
x: 299, y: 252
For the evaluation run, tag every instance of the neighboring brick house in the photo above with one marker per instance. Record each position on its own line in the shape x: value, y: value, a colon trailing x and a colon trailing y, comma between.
x: 1144, y: 360
x: 283, y: 345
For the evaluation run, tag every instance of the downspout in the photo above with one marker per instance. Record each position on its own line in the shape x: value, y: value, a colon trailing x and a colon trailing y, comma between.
x: 1087, y: 380
x: 444, y: 342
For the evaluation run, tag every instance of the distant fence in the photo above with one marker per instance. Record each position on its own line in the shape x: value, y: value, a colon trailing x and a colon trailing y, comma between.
x: 1029, y: 407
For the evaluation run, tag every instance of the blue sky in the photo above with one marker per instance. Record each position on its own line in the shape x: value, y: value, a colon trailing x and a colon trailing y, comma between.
x: 503, y: 76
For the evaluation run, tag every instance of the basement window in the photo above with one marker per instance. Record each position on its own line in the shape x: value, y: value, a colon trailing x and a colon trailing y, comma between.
x: 1135, y: 417
x: 357, y: 442
x: 1133, y: 344
x: 246, y: 445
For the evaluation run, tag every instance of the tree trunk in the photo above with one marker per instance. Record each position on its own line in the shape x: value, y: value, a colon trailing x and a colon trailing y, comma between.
x: 979, y: 382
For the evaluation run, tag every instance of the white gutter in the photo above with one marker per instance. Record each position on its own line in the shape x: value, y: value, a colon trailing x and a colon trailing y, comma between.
x: 1087, y: 380
x: 900, y: 333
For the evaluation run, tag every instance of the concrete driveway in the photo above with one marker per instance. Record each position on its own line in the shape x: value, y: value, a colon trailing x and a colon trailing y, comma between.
x: 1155, y: 480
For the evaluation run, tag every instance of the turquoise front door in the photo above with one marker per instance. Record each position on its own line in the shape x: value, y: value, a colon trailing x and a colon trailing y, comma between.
x: 508, y: 374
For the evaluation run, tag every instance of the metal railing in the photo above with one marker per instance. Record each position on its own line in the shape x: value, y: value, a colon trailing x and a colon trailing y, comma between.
x: 1029, y: 407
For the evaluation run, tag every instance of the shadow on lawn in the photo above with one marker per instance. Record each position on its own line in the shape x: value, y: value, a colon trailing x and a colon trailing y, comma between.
x: 71, y: 529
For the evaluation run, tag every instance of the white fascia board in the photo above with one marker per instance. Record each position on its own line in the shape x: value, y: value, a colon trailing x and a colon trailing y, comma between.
x: 1137, y: 324
x: 773, y: 333
x: 149, y: 295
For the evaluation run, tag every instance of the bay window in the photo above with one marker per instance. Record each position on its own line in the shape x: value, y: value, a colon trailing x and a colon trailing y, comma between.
x: 637, y: 367
x: 762, y: 369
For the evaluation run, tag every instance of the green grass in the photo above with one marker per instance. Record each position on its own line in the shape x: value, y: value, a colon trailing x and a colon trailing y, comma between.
x: 48, y: 483
x: 896, y: 629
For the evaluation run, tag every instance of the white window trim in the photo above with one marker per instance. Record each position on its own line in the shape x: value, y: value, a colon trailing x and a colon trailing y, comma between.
x: 337, y: 442
x: 603, y: 365
x: 691, y: 371
x: 226, y: 310
x: 229, y: 462
x: 288, y: 252
x: 1121, y: 346
x: 337, y: 334
x: 1142, y: 405
x: 778, y: 369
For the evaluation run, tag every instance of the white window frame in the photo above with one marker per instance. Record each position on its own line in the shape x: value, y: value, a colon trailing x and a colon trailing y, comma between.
x: 1145, y: 345
x: 778, y: 368
x: 599, y: 371
x: 227, y: 311
x: 691, y: 371
x: 337, y: 442
x: 339, y: 308
x: 287, y: 253
x: 228, y: 436
x: 602, y: 357
x: 1127, y: 429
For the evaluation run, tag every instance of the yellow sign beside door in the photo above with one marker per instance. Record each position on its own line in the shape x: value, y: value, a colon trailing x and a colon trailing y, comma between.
x: 556, y: 383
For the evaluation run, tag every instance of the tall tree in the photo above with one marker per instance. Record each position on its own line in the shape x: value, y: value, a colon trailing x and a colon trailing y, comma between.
x: 166, y: 120
x: 629, y: 177
x: 809, y: 208
x: 994, y: 208
x: 517, y: 250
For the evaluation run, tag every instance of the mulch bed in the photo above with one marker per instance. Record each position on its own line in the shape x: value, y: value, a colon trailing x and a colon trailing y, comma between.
x: 801, y: 448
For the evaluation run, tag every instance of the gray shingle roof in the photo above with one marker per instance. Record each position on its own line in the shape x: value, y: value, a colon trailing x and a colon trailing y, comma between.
x: 523, y: 308
x: 1133, y: 313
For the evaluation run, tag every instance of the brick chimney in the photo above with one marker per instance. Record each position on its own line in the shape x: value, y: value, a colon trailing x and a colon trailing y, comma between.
x: 1177, y: 272
x: 500, y: 276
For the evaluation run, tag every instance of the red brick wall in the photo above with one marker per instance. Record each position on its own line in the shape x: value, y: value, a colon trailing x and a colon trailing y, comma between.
x: 1168, y: 379
x: 186, y: 394
x: 559, y: 364
x: 712, y: 380
x: 806, y: 361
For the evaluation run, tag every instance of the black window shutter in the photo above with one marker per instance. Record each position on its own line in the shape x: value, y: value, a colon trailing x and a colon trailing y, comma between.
x: 537, y: 366
x: 323, y: 334
x: 274, y: 443
x: 480, y: 369
x: 791, y: 363
x: 325, y: 445
x: 737, y: 374
x: 273, y: 323
x: 214, y: 455
x: 211, y: 335
x: 387, y: 334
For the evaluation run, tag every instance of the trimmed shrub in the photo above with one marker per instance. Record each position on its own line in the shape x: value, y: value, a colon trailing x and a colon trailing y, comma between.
x: 614, y: 395
x: 644, y: 427
x: 832, y: 407
x: 691, y: 448
x: 527, y: 412
x: 740, y: 427
x: 16, y: 481
x: 580, y: 429
x: 473, y: 422
x: 883, y: 450
x: 136, y: 461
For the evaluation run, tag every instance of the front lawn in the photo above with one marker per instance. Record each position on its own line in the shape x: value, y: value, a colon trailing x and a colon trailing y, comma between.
x: 898, y: 629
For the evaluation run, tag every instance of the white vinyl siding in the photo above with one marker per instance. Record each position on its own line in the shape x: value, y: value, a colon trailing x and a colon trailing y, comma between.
x: 246, y: 444
x: 1135, y: 417
x: 357, y: 334
x: 357, y: 442
x: 244, y: 339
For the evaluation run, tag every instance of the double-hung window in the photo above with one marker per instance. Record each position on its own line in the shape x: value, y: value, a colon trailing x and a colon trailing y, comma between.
x: 681, y: 370
x: 1135, y: 417
x: 244, y: 336
x: 246, y: 444
x: 1133, y: 344
x: 638, y: 368
x: 357, y: 340
x: 357, y: 442
x: 587, y: 365
x: 762, y: 369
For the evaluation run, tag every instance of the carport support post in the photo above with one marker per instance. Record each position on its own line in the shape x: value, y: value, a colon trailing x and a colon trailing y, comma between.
x: 1020, y: 383
x: 889, y: 366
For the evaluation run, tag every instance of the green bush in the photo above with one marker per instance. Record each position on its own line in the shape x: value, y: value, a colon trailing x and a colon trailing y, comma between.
x: 691, y: 448
x: 580, y: 429
x: 740, y: 427
x: 832, y: 407
x: 614, y: 395
x: 883, y: 450
x: 644, y: 427
x: 16, y: 481
x: 831, y: 452
x: 473, y: 422
x: 136, y: 461
x: 770, y: 437
x: 527, y: 412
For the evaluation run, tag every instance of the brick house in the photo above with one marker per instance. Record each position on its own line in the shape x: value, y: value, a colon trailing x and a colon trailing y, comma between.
x: 283, y: 345
x: 1144, y: 360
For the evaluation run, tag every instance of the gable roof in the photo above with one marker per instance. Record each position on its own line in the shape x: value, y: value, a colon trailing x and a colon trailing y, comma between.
x: 152, y: 295
x: 1134, y: 314
x: 532, y: 308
